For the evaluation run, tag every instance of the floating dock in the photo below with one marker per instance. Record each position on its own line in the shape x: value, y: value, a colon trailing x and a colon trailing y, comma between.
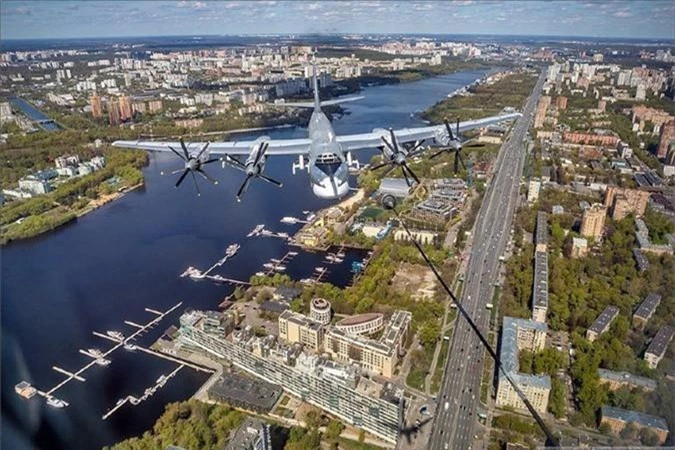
x: 197, y: 274
x: 26, y: 390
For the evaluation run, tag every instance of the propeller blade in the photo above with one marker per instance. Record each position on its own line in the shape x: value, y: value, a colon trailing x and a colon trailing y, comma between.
x: 261, y: 152
x: 388, y: 145
x: 177, y: 154
x: 456, y: 166
x: 412, y: 174
x: 181, y: 178
x: 378, y: 166
x: 234, y: 162
x: 185, y: 150
x: 457, y: 129
x: 175, y: 171
x: 270, y: 180
x: 405, y: 175
x: 207, y: 176
x: 201, y: 152
x: 194, y: 180
x: 461, y: 159
x: 449, y: 130
x: 210, y: 161
x: 436, y: 154
x: 244, y: 187
x: 415, y: 150
x: 393, y: 140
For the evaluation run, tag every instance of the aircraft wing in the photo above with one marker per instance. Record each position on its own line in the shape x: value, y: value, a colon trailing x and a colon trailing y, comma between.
x: 276, y: 147
x: 348, y: 142
x: 374, y: 139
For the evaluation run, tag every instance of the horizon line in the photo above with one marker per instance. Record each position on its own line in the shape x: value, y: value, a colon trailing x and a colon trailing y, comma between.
x: 665, y: 39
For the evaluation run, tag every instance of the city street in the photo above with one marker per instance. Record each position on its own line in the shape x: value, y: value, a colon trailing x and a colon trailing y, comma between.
x: 455, y: 417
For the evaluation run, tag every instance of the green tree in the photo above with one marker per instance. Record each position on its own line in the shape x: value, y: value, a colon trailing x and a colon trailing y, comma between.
x: 648, y: 437
x: 313, y: 418
x: 429, y: 333
x: 334, y: 429
x: 558, y: 398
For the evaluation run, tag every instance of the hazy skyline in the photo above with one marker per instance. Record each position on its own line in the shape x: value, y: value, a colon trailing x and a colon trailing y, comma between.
x: 74, y: 19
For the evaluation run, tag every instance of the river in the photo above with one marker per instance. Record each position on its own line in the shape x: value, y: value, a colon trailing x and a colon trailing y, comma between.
x: 127, y: 255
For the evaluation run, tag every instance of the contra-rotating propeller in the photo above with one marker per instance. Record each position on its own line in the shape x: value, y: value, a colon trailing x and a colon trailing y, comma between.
x: 193, y: 164
x: 396, y: 156
x: 455, y: 145
x: 253, y: 168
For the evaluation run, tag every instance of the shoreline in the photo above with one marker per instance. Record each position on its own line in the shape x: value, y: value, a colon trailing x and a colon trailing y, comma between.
x: 93, y: 206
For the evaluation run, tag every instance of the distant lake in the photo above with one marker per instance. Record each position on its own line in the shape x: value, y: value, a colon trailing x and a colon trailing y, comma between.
x: 114, y: 262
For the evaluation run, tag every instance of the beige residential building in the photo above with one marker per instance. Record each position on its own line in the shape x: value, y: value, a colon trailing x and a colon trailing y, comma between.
x: 297, y: 328
x: 657, y: 348
x: 624, y: 201
x: 517, y: 335
x: 618, y: 419
x: 593, y: 221
x: 375, y: 356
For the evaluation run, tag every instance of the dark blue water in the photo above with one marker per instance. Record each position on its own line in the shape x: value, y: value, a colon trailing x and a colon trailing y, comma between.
x: 111, y: 264
x: 34, y: 114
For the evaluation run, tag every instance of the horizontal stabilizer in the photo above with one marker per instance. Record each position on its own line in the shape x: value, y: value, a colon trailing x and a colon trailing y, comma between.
x: 335, y: 101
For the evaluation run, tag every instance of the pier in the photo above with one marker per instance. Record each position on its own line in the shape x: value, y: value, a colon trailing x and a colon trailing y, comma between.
x: 278, y: 265
x: 197, y: 274
x: 161, y: 381
x: 101, y: 359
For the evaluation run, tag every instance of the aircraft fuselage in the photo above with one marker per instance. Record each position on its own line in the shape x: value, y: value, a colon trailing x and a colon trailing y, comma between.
x: 328, y: 168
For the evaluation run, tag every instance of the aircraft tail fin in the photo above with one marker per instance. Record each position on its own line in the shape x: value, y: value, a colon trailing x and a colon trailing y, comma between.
x: 315, y: 87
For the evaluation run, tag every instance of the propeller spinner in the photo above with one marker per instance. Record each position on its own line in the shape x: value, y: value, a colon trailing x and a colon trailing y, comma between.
x: 193, y: 164
x: 253, y: 168
x: 397, y: 156
x: 455, y: 145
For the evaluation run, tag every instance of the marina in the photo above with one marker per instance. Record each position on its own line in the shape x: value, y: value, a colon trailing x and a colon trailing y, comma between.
x: 98, y: 357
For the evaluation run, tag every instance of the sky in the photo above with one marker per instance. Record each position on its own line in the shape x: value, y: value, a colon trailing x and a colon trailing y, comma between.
x: 594, y: 18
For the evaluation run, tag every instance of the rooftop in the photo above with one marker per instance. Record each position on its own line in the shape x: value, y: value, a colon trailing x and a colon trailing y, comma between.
x: 648, y: 306
x: 604, y: 319
x: 542, y: 228
x: 246, y: 391
x: 395, y: 186
x: 629, y: 378
x: 508, y: 353
x: 661, y: 340
x: 540, y: 294
x: 626, y: 415
x: 301, y: 320
x: 358, y: 319
x: 246, y: 435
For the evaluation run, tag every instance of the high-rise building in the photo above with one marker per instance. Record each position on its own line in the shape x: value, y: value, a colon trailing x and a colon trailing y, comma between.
x: 561, y: 102
x: 666, y: 139
x: 125, y: 108
x: 623, y: 201
x: 593, y: 221
x: 96, y: 107
x: 154, y: 105
x: 114, y: 117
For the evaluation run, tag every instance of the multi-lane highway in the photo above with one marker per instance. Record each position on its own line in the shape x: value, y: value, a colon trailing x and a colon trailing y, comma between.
x: 457, y: 401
